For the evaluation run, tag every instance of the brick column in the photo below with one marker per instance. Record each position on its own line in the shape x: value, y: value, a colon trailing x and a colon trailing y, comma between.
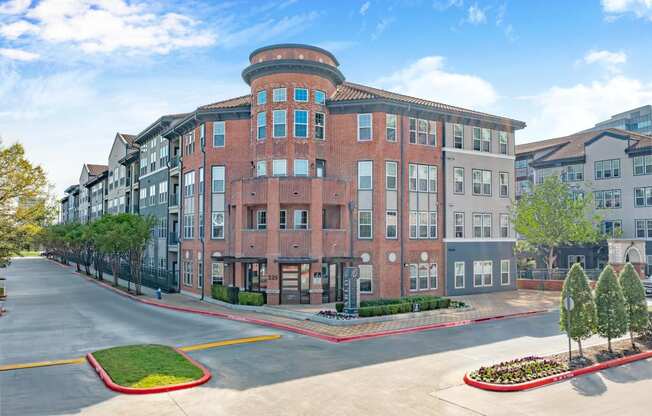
x: 316, y: 237
x: 273, y: 249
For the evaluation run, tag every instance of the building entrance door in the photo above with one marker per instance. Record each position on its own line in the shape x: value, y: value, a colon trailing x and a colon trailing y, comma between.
x: 295, y: 283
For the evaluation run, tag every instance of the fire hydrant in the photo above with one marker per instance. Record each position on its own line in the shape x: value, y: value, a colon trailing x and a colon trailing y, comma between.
x: 158, y: 293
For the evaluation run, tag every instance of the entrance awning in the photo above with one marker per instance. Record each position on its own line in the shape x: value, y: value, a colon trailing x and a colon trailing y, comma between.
x: 296, y: 260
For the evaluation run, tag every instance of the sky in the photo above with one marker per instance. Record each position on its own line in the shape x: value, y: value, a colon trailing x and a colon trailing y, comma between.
x: 75, y: 72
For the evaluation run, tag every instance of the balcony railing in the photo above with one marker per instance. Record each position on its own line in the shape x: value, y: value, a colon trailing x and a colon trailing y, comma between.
x: 174, y: 200
x: 174, y: 238
x: 174, y: 162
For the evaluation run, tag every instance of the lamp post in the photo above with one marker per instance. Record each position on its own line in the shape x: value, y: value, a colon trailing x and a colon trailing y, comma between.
x: 569, y: 305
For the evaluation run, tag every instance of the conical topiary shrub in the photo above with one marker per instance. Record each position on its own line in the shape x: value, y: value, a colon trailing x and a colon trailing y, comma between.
x: 582, y: 316
x: 610, y: 306
x: 635, y: 303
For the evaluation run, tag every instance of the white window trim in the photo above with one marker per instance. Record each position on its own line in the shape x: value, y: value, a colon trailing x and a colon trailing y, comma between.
x: 371, y: 225
x: 371, y: 127
x: 509, y: 272
x: 307, y: 124
x: 463, y: 274
x: 274, y: 124
x: 491, y: 275
x: 294, y: 95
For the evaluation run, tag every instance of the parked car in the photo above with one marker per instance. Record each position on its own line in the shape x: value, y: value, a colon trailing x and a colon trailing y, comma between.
x: 647, y: 283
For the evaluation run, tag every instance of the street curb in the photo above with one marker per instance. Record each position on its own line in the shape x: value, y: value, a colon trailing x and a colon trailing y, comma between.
x: 310, y: 333
x: 104, y: 376
x: 557, y: 378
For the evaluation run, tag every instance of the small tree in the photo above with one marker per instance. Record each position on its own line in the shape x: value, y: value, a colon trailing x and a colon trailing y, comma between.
x: 635, y: 303
x: 139, y: 231
x: 583, y: 317
x: 610, y: 305
x: 551, y: 217
x: 113, y: 240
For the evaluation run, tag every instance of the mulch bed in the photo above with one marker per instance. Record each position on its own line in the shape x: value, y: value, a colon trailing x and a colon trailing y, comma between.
x: 599, y: 353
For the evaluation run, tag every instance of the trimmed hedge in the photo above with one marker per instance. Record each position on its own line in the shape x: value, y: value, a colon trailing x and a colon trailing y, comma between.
x: 382, y: 307
x: 225, y: 293
x: 251, y: 298
x: 420, y: 299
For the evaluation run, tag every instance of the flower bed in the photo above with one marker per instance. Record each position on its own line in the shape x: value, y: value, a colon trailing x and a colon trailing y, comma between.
x: 520, y: 370
x: 407, y: 304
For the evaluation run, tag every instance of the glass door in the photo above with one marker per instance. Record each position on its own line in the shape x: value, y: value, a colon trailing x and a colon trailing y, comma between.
x: 289, y: 283
x: 304, y: 284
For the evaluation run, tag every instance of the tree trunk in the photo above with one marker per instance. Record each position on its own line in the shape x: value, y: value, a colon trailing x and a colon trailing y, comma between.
x: 551, y: 261
x: 115, y: 263
x: 631, y: 337
x: 579, y: 344
x: 609, y: 345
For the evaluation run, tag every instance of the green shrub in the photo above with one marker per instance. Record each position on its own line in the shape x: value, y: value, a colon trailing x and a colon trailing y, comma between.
x: 394, y: 309
x: 444, y: 303
x: 251, y: 298
x: 225, y: 293
x: 405, y: 307
x: 339, y: 307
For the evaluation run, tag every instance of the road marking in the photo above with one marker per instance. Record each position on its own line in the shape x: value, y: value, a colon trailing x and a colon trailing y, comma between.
x: 196, y: 347
x: 8, y: 367
x: 237, y: 341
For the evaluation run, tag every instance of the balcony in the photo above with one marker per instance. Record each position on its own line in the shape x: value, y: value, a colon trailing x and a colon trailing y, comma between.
x: 173, y: 241
x: 173, y: 165
x: 174, y: 203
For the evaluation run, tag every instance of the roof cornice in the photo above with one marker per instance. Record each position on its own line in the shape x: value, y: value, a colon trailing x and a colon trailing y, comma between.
x: 303, y: 66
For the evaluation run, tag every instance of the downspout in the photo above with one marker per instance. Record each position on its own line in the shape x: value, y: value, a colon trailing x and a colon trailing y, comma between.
x: 203, y: 213
x: 444, y: 207
x: 401, y: 199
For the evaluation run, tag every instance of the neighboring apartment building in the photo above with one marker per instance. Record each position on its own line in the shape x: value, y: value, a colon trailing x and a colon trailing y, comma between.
x: 638, y: 120
x: 284, y: 187
x: 616, y: 166
x: 97, y: 188
x: 89, y: 173
x: 118, y: 187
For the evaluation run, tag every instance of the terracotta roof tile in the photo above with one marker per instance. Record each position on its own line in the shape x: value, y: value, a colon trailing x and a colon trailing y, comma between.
x: 95, y: 170
x: 241, y: 101
x: 129, y: 138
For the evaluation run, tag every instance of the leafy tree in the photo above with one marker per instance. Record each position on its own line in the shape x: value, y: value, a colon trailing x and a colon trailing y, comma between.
x: 112, y: 238
x: 635, y: 303
x: 583, y: 316
x: 25, y: 204
x: 139, y: 232
x: 551, y: 217
x: 610, y: 305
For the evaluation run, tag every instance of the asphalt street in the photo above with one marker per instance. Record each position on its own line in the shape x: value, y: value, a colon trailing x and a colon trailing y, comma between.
x: 55, y: 314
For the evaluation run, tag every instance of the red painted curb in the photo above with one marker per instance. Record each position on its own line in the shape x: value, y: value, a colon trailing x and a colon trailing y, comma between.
x: 104, y: 376
x: 557, y: 378
x: 307, y: 332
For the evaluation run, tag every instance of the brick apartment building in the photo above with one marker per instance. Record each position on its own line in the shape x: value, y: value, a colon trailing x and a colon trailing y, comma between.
x: 278, y: 190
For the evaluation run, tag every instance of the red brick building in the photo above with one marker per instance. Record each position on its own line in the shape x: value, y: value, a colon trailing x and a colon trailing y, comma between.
x: 284, y: 187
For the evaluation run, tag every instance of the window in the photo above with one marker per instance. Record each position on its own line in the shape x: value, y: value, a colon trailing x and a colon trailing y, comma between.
x: 301, y: 95
x: 422, y: 178
x: 200, y: 271
x: 607, y: 169
x: 572, y: 173
x: 423, y: 212
x: 218, y: 179
x: 162, y: 192
x: 320, y: 97
x: 502, y: 142
x: 189, y: 226
x: 477, y: 138
x: 481, y: 182
x: 279, y: 167
x: 390, y: 224
x: 152, y: 162
x: 279, y: 119
x: 643, y: 197
x: 300, y: 219
x: 320, y: 168
x: 458, y: 179
x: 423, y: 276
x: 217, y: 225
x: 261, y: 219
x: 612, y: 228
x: 366, y: 278
x: 219, y: 133
x: 364, y: 127
x: 504, y: 272
x: 423, y: 132
x: 279, y: 95
x: 300, y: 167
x: 576, y: 258
x: 609, y: 199
x: 459, y: 225
x: 283, y: 219
x: 504, y: 225
x: 649, y: 265
x: 365, y: 174
x: 486, y: 140
x: 217, y: 271
x: 261, y: 97
x: 163, y: 161
x: 459, y: 274
x: 365, y: 227
x: 390, y: 127
x: 202, y: 135
x: 261, y: 168
x: 458, y: 136
x: 143, y: 197
x: 152, y: 194
x: 644, y: 228
x: 481, y: 225
x: 300, y: 123
x: 482, y: 273
x: 391, y: 169
x: 643, y: 165
x: 187, y: 273
x: 503, y: 184
x: 261, y: 124
x: 320, y: 126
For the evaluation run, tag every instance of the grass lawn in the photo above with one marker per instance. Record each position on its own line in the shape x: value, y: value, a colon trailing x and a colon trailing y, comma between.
x: 143, y: 366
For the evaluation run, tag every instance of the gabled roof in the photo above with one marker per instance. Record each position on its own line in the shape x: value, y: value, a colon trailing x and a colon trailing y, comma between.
x: 95, y: 170
x: 243, y: 100
x: 573, y: 146
x: 161, y: 124
x: 128, y: 138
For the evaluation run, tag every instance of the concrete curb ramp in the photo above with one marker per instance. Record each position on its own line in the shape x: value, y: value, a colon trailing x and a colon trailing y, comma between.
x: 104, y: 376
x: 556, y: 378
x: 308, y: 332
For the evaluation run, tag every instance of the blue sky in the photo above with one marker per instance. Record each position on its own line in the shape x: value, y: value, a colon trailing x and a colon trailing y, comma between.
x: 74, y: 72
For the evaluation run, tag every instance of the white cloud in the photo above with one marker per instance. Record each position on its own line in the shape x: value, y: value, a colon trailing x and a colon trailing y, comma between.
x: 268, y: 29
x: 18, y: 54
x: 560, y: 111
x: 15, y: 6
x: 365, y: 7
x: 605, y: 57
x: 476, y: 15
x: 427, y: 78
x: 108, y: 25
x: 381, y: 26
x: 442, y: 5
x: 640, y: 8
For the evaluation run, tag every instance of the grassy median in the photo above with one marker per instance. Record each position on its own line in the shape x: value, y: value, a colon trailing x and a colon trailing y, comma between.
x: 143, y: 366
